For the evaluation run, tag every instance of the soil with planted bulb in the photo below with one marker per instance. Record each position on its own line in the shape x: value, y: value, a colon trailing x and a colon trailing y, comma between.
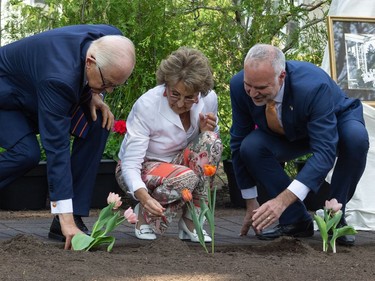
x: 26, y: 257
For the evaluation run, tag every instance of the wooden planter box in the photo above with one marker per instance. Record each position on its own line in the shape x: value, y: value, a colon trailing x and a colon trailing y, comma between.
x: 30, y: 192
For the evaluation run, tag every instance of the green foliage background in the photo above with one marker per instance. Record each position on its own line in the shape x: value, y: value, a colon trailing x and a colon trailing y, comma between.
x: 223, y: 29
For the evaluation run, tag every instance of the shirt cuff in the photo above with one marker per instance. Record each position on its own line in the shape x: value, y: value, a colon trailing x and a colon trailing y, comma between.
x: 299, y: 189
x: 249, y: 193
x: 62, y: 206
x: 132, y: 193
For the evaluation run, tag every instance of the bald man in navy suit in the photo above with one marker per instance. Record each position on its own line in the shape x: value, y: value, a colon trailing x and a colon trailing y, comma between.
x: 316, y: 117
x: 44, y: 78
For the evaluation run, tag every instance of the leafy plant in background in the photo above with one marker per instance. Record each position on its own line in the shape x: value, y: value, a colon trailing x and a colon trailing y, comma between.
x: 155, y: 28
x: 327, y: 221
x: 114, y: 140
x: 109, y: 219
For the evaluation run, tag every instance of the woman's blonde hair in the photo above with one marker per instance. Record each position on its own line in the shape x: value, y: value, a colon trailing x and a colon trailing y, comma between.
x: 189, y: 66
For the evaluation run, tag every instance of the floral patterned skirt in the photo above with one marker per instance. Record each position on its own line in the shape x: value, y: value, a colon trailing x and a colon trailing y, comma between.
x: 165, y: 181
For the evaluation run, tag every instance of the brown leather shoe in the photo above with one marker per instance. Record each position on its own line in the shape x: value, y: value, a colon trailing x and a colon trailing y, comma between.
x: 301, y: 229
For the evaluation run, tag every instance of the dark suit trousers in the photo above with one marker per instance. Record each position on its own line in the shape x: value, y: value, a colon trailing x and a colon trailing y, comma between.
x: 85, y: 159
x: 262, y: 154
x: 19, y: 159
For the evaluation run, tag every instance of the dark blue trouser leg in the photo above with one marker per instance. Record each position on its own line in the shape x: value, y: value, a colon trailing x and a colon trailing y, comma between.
x: 262, y: 154
x: 351, y: 161
x: 19, y: 159
x: 85, y: 160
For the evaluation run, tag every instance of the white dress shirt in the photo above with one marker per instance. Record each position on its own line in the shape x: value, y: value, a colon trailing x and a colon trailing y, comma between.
x: 296, y: 187
x: 155, y: 132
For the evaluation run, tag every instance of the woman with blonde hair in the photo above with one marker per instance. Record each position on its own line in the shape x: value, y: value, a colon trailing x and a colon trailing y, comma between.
x: 172, y: 132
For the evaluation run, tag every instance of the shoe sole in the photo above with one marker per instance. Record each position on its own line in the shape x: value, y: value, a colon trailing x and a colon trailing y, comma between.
x: 303, y: 235
x: 347, y: 244
x: 297, y: 235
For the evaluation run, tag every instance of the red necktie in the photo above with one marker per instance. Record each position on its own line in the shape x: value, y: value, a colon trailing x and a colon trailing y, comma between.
x: 79, y: 124
x: 272, y: 120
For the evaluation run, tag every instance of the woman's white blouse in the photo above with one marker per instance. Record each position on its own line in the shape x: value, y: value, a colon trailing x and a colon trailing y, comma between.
x: 155, y: 132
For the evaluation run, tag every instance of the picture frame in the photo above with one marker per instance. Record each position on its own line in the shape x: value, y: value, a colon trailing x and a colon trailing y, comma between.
x: 351, y: 43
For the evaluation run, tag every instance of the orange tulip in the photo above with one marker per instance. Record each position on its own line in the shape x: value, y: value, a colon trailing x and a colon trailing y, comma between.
x: 186, y: 195
x: 209, y: 170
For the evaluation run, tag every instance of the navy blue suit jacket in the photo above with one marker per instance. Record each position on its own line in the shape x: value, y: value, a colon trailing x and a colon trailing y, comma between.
x: 312, y: 107
x: 41, y: 81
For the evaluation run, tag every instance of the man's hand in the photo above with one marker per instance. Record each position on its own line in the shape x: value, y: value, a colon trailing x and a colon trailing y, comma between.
x: 271, y: 211
x: 68, y: 228
x: 98, y: 104
x: 251, y: 206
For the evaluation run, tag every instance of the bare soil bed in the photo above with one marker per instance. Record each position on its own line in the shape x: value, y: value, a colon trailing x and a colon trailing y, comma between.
x: 29, y: 258
x: 167, y: 258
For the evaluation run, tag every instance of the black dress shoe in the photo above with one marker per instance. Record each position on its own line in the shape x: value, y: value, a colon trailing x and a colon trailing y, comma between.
x: 55, y: 229
x: 345, y: 240
x: 301, y: 229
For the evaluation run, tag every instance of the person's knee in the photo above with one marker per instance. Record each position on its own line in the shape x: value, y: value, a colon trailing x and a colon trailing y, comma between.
x: 31, y: 157
x: 251, y: 149
x: 190, y: 178
x: 355, y: 142
x: 27, y: 153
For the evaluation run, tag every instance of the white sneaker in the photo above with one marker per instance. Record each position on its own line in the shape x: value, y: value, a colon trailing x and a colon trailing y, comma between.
x: 145, y: 231
x: 185, y: 234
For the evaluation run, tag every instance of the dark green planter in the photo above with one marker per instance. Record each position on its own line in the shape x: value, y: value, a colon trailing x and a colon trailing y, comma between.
x: 28, y: 192
x: 236, y: 199
x: 314, y: 201
x: 234, y: 192
x: 105, y: 183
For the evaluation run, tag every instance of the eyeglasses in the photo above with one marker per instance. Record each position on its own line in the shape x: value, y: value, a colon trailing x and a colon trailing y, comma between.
x: 104, y: 84
x: 175, y: 96
x: 101, y: 76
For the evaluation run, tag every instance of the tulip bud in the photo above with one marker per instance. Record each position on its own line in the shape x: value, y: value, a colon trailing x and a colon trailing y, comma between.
x: 186, y: 195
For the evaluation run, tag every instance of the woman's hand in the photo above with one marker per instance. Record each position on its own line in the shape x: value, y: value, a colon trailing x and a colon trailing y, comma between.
x: 150, y: 204
x: 207, y: 122
x: 97, y: 103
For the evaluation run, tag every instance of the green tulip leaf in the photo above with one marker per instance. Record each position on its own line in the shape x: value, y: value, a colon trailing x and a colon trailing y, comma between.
x: 81, y: 241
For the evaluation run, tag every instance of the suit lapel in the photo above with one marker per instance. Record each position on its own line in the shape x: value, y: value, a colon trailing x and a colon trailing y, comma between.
x: 288, y: 111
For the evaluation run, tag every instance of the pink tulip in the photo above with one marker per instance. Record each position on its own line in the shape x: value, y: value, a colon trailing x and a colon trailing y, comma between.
x: 114, y: 198
x: 333, y: 205
x: 130, y: 216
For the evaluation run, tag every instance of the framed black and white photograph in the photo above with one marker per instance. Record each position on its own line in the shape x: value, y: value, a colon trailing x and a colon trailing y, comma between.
x: 352, y: 55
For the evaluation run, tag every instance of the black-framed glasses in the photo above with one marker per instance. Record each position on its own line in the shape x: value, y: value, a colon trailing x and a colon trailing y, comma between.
x: 105, y: 84
x: 176, y: 96
x: 101, y: 76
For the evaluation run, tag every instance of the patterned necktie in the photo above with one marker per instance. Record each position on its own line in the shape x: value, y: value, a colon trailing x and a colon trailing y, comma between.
x: 79, y: 124
x: 272, y: 120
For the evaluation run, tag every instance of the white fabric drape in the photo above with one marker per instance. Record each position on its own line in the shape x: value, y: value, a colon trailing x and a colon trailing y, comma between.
x: 360, y: 210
